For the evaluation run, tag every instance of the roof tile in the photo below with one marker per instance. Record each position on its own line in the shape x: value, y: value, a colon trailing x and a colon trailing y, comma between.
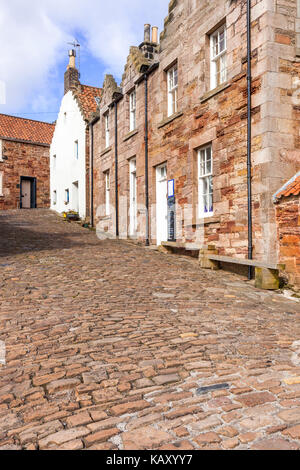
x: 291, y: 188
x: 12, y: 127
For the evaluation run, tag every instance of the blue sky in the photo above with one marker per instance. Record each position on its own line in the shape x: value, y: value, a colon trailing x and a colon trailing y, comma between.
x: 34, y: 38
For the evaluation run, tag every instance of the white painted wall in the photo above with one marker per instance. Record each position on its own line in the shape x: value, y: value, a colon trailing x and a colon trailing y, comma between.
x: 68, y: 169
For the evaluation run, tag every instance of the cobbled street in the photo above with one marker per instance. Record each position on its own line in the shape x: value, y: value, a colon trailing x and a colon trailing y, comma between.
x: 112, y: 346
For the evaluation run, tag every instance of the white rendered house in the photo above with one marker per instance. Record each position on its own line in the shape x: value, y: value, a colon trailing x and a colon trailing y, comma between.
x: 69, y: 151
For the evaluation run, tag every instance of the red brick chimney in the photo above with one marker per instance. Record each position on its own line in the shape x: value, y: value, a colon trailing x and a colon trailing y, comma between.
x: 71, y: 74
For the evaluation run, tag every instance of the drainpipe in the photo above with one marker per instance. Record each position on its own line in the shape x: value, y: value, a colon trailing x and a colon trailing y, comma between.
x: 116, y: 98
x: 146, y: 71
x: 96, y: 119
x: 146, y: 160
x: 249, y: 169
x: 116, y: 169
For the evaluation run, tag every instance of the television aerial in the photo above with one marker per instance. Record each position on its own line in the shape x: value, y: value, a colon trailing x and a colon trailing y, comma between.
x: 76, y: 46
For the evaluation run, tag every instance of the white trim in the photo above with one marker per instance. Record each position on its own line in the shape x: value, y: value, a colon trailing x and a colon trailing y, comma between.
x: 205, y: 179
x: 218, y: 58
x: 132, y: 111
x: 1, y: 150
x: 107, y: 192
x: 172, y: 78
x: 107, y: 136
x: 1, y: 183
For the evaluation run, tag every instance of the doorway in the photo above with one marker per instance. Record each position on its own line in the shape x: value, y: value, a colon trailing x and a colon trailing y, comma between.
x: 27, y: 193
x: 161, y: 204
x: 133, y: 202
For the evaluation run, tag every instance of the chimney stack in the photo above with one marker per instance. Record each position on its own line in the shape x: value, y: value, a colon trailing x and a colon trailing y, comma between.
x: 147, y: 33
x: 155, y: 34
x: 71, y: 74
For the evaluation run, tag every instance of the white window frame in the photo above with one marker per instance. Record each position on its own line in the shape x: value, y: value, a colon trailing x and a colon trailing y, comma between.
x: 1, y: 150
x: 107, y: 192
x: 67, y: 196
x: 1, y: 183
x: 218, y: 58
x: 172, y: 78
x: 107, y: 136
x: 133, y: 196
x: 132, y: 111
x: 205, y: 182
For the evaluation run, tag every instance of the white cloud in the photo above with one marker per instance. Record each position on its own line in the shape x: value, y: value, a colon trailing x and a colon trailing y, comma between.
x: 33, y: 37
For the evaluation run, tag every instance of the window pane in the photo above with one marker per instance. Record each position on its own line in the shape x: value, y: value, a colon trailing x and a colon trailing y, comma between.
x: 222, y: 41
x: 175, y: 77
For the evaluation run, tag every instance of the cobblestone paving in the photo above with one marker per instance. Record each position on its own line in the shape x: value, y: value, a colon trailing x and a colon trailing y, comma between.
x: 107, y: 344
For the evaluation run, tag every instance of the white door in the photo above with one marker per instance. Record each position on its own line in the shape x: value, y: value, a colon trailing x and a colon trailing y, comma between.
x: 133, y: 202
x: 161, y: 204
x: 26, y: 194
x: 75, y: 197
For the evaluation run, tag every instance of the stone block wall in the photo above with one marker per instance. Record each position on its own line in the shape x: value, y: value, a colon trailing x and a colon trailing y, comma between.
x: 288, y: 232
x: 24, y: 159
x: 217, y: 117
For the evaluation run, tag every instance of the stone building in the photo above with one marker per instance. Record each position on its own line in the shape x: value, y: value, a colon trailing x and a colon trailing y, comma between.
x: 24, y: 163
x: 70, y: 147
x: 287, y: 203
x: 193, y: 137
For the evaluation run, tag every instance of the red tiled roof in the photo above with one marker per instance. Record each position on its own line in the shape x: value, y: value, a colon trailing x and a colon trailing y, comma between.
x: 86, y: 97
x: 17, y: 128
x: 291, y: 188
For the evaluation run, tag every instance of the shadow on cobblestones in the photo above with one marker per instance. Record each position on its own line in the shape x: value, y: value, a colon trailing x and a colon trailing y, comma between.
x: 21, y: 235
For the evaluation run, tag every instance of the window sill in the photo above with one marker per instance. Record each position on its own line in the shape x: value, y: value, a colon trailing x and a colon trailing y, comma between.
x: 105, y: 217
x: 170, y: 119
x: 214, y: 92
x: 213, y: 219
x: 108, y: 149
x: 130, y: 134
x: 209, y: 219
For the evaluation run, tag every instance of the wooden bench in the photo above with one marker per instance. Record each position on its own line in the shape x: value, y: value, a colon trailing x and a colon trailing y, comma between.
x: 266, y: 274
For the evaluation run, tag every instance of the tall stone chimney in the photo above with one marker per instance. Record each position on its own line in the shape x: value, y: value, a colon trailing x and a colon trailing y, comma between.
x: 71, y: 74
x: 150, y: 46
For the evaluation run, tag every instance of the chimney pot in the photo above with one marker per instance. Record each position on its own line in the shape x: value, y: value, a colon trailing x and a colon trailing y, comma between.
x: 72, y: 61
x: 155, y: 34
x: 147, y: 33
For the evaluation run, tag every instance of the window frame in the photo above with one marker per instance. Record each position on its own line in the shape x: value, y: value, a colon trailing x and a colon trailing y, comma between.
x: 107, y: 130
x: 107, y: 192
x: 214, y: 58
x: 76, y: 149
x: 67, y: 196
x: 132, y: 111
x: 1, y: 183
x: 206, y: 177
x: 1, y: 150
x: 172, y: 89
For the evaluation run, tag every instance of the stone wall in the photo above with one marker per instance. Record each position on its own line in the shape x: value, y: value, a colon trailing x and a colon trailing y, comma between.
x: 218, y: 117
x: 24, y: 159
x: 288, y: 231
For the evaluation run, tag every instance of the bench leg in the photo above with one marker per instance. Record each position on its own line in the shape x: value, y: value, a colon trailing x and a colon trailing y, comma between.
x: 267, y: 278
x: 205, y: 262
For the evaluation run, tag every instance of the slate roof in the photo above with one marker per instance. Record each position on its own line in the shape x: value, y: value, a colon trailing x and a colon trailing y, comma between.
x: 291, y: 188
x: 16, y: 128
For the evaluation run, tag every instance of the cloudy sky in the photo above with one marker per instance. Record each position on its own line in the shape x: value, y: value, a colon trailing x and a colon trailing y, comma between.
x: 34, y: 36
